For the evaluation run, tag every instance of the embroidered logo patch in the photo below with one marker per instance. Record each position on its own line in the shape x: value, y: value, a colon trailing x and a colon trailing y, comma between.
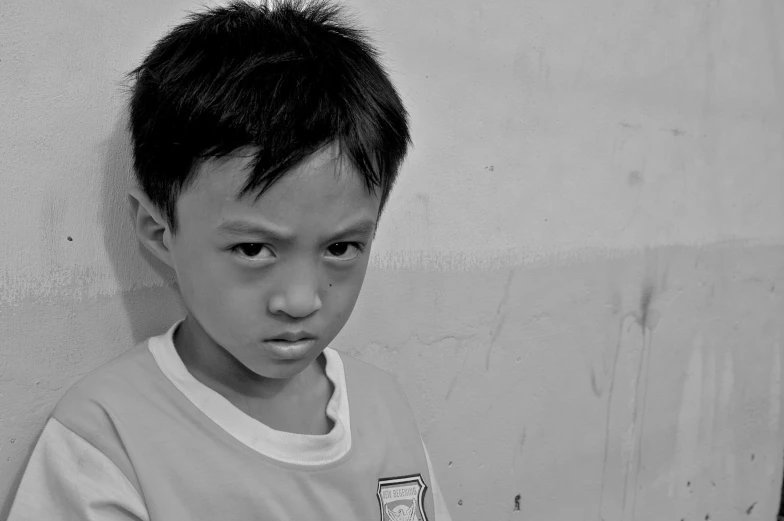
x: 402, y: 499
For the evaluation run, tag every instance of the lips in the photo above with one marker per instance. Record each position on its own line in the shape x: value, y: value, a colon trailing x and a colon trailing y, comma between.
x: 292, y: 336
x: 295, y: 349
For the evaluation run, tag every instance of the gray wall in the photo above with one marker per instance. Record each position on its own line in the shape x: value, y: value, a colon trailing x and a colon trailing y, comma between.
x: 578, y: 280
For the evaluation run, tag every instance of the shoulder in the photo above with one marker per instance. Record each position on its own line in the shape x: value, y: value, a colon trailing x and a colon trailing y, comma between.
x: 95, y: 407
x: 67, y: 477
x: 92, y: 402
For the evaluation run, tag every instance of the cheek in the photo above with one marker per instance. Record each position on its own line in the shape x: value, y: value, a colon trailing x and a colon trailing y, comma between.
x: 205, y: 283
x: 342, y: 292
x: 346, y: 281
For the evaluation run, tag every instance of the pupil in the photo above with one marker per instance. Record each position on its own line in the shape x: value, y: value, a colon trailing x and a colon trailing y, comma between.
x: 339, y: 248
x: 251, y: 250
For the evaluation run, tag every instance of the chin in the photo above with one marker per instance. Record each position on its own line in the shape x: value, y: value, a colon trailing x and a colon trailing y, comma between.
x: 279, y: 369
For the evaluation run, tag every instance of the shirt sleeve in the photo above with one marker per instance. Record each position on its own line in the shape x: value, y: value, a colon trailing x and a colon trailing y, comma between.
x: 68, y: 478
x: 442, y: 514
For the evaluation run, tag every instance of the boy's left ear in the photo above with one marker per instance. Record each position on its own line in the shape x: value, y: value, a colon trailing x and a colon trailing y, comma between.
x: 151, y: 227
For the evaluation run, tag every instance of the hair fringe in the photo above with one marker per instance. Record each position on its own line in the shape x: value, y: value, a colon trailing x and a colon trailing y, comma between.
x: 286, y: 78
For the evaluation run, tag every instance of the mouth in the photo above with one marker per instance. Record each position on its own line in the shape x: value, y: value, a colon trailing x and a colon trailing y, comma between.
x: 291, y: 336
x: 290, y: 345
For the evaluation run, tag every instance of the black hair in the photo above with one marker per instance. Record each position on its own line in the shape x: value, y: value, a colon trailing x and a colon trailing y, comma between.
x: 286, y: 78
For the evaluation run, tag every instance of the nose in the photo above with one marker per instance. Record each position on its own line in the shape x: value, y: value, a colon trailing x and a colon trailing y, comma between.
x: 298, y: 296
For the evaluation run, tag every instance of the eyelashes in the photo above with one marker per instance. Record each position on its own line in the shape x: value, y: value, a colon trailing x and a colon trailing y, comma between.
x: 353, y: 248
x: 250, y: 249
x: 260, y: 252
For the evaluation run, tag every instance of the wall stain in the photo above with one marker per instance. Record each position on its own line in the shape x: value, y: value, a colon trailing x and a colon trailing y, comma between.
x: 595, y: 385
x: 501, y: 314
x: 610, y: 394
x: 459, y: 373
x: 635, y: 178
x: 646, y: 319
x: 751, y: 508
x: 615, y: 305
x: 518, y: 453
x: 517, y: 499
x: 645, y: 305
x: 453, y: 382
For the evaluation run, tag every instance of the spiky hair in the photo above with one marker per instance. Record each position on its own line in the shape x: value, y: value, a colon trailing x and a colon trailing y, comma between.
x: 286, y: 77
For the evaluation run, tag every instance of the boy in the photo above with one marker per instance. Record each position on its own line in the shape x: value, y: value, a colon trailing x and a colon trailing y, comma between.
x: 266, y: 140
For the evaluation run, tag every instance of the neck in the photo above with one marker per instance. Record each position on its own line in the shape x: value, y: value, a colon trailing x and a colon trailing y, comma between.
x: 219, y: 370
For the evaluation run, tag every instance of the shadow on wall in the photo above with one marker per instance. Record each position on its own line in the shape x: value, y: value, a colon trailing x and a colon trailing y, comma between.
x: 5, y: 506
x: 150, y: 297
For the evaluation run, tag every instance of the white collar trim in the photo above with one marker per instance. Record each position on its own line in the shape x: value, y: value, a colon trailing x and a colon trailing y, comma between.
x: 287, y: 447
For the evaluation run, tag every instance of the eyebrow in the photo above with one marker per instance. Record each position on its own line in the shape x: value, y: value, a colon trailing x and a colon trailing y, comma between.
x: 364, y: 227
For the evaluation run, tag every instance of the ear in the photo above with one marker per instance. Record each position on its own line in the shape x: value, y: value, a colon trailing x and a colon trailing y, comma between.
x: 151, y: 227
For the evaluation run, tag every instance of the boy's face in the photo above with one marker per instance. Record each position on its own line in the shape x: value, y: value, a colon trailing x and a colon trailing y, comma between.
x: 293, y: 261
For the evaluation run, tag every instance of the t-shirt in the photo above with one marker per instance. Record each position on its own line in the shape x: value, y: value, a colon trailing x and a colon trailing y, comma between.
x: 141, y: 439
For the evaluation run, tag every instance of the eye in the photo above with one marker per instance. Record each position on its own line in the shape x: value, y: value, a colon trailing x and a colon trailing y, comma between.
x: 254, y: 251
x: 345, y: 250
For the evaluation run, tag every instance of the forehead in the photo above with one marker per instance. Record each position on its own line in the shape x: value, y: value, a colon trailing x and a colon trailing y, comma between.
x: 323, y: 190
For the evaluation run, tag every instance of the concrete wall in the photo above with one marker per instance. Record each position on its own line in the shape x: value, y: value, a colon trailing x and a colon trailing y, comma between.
x: 579, y: 280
